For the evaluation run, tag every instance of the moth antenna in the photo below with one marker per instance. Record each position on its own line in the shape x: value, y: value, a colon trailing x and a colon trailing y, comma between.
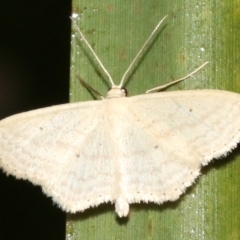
x: 140, y: 51
x: 176, y: 81
x: 94, y: 54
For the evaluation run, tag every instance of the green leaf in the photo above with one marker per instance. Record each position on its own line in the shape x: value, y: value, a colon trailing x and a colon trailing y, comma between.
x: 193, y: 33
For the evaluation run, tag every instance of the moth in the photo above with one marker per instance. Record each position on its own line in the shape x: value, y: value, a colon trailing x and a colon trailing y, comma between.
x: 145, y: 148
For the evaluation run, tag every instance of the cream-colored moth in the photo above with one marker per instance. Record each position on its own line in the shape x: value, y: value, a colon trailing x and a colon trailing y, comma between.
x: 146, y: 148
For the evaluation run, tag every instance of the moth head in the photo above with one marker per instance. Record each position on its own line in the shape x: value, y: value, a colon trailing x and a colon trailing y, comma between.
x: 116, y: 92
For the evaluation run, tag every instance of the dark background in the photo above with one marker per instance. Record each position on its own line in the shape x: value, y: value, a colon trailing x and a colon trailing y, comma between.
x: 34, y: 73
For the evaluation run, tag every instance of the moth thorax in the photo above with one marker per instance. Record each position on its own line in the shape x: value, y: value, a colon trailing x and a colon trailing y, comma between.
x: 116, y: 92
